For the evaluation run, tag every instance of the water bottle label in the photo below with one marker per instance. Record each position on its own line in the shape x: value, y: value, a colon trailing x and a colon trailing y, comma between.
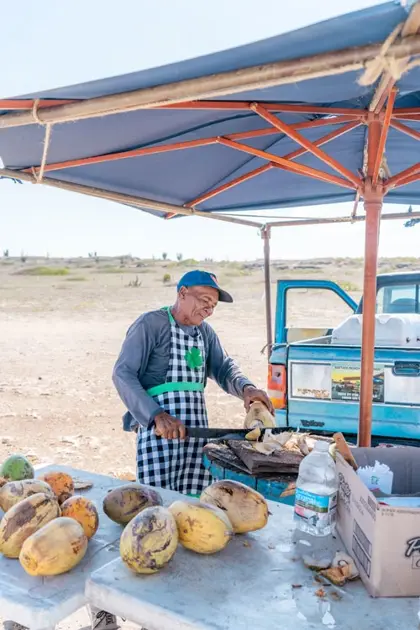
x: 316, y: 510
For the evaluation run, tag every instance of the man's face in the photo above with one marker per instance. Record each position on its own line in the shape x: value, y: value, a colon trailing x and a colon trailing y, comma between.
x: 198, y: 303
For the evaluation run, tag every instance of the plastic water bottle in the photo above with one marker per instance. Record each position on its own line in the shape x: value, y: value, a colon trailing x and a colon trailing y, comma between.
x: 315, y: 507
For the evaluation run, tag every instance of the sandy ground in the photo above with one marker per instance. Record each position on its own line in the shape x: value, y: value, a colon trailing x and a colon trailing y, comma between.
x: 60, y: 336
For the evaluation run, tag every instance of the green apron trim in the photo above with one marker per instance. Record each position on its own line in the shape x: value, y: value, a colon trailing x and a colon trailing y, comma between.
x: 171, y: 317
x: 182, y: 386
x: 175, y: 387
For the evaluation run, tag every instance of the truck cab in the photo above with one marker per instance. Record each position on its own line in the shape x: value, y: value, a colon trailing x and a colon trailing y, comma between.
x: 314, y: 369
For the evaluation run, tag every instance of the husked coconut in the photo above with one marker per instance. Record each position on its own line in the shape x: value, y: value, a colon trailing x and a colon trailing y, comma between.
x: 259, y: 416
x: 23, y: 520
x: 150, y: 540
x: 245, y: 508
x: 83, y: 511
x: 14, y: 492
x: 61, y: 483
x: 124, y: 503
x: 202, y: 528
x: 54, y: 549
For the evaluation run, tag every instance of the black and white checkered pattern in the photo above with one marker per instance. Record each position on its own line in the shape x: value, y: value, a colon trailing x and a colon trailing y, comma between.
x: 177, y: 464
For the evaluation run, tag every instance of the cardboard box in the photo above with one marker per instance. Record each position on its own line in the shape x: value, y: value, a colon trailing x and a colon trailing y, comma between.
x: 384, y: 541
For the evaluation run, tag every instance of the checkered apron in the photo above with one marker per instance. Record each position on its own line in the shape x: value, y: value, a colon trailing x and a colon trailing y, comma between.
x: 177, y: 464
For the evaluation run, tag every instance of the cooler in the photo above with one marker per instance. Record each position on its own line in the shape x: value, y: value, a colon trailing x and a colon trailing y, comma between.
x: 390, y: 331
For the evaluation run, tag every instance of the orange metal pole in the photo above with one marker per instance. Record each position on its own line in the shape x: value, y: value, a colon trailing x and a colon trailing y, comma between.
x: 384, y: 91
x: 215, y: 191
x: 373, y: 216
x: 263, y: 169
x: 407, y: 118
x: 373, y: 199
x: 231, y: 184
x: 404, y: 129
x: 124, y: 155
x: 407, y: 180
x: 293, y: 167
x: 396, y: 180
x: 407, y: 111
x: 189, y: 144
x: 324, y: 140
x: 304, y: 142
x: 324, y: 122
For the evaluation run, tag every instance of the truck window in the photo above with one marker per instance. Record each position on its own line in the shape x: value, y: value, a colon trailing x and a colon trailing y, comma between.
x: 398, y: 298
x: 315, y: 307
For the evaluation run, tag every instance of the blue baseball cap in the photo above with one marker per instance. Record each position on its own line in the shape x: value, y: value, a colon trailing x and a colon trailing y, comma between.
x: 204, y: 279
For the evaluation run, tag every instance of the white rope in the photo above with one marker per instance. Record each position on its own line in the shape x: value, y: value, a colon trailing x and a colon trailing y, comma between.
x: 38, y: 174
x: 412, y: 64
x: 386, y: 63
x: 47, y: 138
x: 35, y: 112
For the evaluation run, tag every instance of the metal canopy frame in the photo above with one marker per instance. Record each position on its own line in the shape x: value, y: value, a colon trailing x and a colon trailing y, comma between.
x: 370, y: 185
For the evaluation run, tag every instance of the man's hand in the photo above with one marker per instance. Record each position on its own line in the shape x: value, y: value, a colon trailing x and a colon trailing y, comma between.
x: 168, y: 427
x: 252, y: 394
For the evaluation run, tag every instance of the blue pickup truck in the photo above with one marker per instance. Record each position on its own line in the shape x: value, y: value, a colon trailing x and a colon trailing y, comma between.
x: 314, y: 377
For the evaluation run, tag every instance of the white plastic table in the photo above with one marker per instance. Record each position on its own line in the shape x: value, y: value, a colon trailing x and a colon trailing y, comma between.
x: 256, y: 583
x: 41, y: 603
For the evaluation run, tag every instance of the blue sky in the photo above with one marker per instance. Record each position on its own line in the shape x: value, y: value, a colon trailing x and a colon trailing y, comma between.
x: 52, y: 44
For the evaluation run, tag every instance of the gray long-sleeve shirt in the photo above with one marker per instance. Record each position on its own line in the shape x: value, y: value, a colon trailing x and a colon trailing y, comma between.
x: 144, y: 359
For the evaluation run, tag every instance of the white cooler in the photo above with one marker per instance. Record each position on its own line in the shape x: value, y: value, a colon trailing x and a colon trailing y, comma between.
x: 391, y: 330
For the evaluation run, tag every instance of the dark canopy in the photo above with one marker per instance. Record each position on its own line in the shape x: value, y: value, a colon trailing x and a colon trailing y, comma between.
x: 181, y: 176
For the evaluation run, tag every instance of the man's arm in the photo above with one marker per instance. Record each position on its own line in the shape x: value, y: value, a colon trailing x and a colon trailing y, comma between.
x: 223, y: 369
x: 130, y: 365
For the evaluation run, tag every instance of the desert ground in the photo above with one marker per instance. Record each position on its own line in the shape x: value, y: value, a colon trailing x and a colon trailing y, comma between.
x: 62, y: 323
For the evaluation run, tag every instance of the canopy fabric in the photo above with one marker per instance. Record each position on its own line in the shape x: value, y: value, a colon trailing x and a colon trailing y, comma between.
x: 180, y: 177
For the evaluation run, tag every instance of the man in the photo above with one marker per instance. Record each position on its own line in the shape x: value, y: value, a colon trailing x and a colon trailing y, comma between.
x: 161, y: 374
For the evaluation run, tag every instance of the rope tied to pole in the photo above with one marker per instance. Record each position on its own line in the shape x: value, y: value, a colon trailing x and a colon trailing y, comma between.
x: 385, y: 63
x: 39, y: 173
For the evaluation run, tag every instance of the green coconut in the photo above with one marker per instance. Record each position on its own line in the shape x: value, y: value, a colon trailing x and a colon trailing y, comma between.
x: 16, y: 468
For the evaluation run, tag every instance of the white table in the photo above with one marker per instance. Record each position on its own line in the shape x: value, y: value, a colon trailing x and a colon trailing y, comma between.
x: 254, y: 584
x: 40, y: 603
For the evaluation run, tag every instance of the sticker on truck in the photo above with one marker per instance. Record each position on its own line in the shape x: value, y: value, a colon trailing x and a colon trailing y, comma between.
x: 333, y: 381
x: 345, y: 382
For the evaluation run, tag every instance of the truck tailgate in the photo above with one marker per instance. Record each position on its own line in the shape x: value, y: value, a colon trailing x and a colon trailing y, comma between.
x: 324, y: 389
